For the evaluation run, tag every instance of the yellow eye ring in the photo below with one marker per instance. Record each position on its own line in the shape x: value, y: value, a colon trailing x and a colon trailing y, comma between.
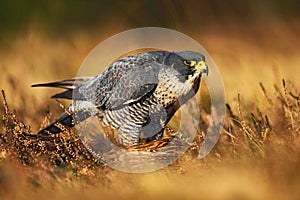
x: 189, y: 63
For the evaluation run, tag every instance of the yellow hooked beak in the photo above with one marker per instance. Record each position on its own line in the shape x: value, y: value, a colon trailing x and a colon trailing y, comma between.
x: 202, y: 67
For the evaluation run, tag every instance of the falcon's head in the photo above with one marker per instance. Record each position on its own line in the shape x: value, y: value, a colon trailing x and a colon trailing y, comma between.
x: 190, y: 65
x: 194, y: 61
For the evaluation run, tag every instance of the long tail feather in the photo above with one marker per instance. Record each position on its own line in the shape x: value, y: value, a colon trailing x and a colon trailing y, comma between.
x: 70, y: 85
x: 65, y: 84
x: 65, y: 120
x: 68, y: 94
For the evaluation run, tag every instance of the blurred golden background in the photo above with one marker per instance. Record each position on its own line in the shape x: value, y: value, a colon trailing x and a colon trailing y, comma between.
x: 251, y: 41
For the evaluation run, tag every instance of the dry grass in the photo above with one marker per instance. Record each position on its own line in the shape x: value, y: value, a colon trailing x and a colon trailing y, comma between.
x: 257, y: 156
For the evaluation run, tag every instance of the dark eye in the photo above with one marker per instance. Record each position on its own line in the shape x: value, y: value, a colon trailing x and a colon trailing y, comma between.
x: 190, y: 63
x: 187, y: 62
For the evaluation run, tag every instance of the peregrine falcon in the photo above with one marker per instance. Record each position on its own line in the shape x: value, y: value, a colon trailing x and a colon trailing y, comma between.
x: 137, y: 95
